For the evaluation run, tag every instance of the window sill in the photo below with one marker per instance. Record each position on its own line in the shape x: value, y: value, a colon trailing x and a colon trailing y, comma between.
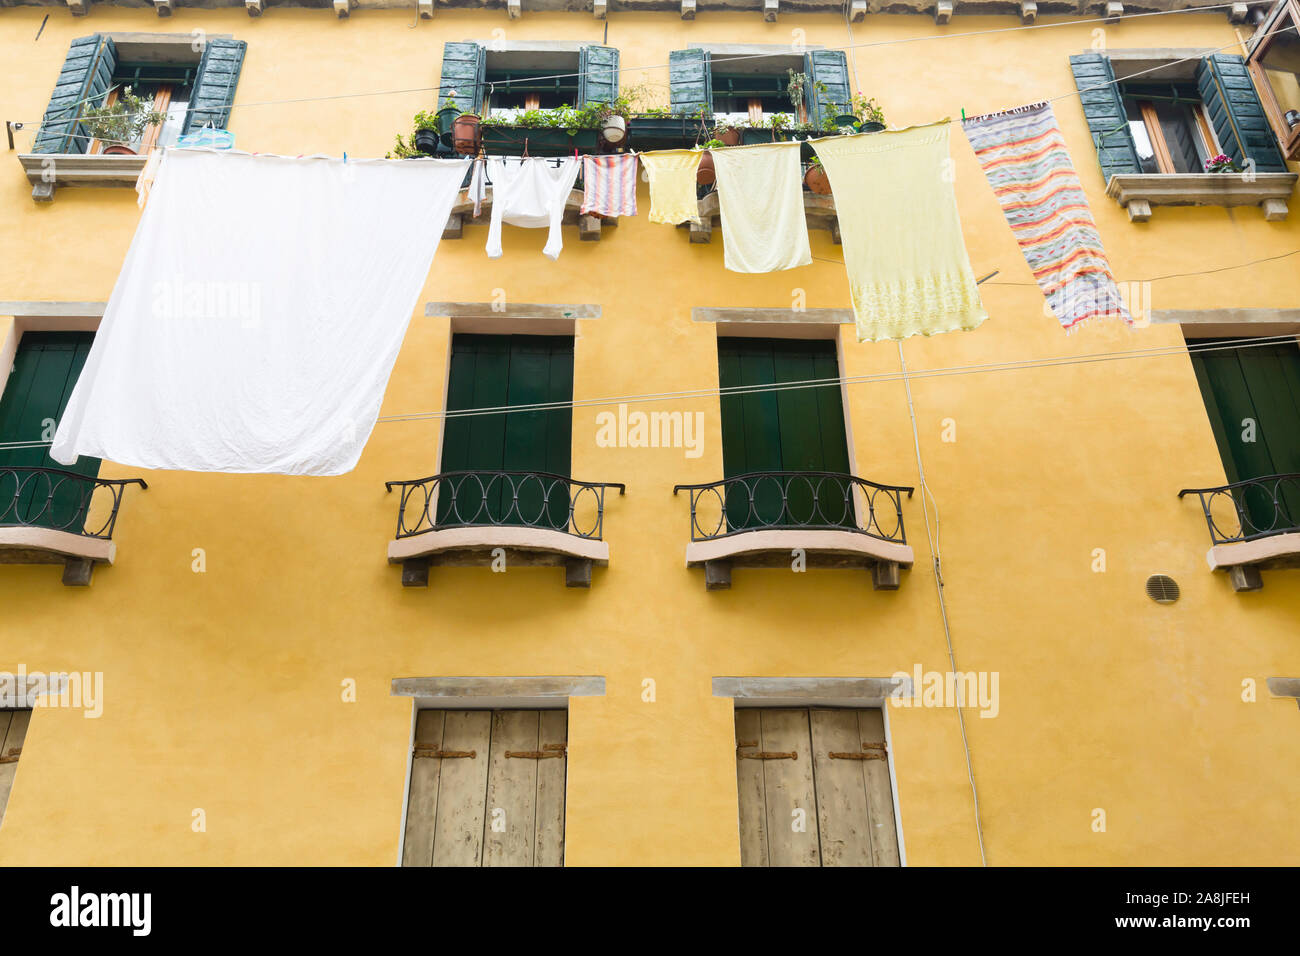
x: 1244, y: 560
x: 47, y: 170
x: 1138, y: 192
x: 822, y: 548
x: 818, y: 210
x: 588, y: 226
x: 473, y: 546
x: 77, y: 553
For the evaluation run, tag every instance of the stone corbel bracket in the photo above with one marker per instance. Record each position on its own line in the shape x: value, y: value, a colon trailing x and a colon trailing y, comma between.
x: 589, y: 227
x: 819, y: 211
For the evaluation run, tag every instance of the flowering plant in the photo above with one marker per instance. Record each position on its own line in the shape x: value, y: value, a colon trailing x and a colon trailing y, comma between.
x: 1221, y: 164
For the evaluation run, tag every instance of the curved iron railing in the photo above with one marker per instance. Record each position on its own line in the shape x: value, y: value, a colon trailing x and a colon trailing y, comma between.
x: 797, y: 500
x: 531, y: 499
x: 60, y: 500
x: 1262, y: 506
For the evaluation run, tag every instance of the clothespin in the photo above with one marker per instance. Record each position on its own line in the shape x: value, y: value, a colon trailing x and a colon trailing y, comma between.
x: 525, y: 146
x: 963, y: 114
x: 345, y: 157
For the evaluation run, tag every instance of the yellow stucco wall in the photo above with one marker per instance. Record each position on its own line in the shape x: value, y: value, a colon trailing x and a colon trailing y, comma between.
x: 222, y: 689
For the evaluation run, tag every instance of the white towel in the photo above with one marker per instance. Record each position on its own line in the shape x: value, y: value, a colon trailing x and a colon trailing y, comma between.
x: 258, y: 313
x: 760, y: 203
x: 530, y: 193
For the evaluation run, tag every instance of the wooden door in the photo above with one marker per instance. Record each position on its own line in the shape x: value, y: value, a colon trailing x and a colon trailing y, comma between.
x: 487, y: 788
x: 814, y: 788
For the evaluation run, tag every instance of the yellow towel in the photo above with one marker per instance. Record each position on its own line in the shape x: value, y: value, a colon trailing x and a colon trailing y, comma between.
x: 909, y: 273
x: 672, y: 185
x: 760, y: 202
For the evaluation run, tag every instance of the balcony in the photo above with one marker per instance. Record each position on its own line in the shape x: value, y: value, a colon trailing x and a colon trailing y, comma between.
x: 1254, y: 526
x: 768, y: 519
x: 483, y: 518
x: 51, y: 516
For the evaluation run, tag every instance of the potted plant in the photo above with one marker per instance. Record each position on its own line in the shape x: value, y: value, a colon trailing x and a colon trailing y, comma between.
x: 445, y: 119
x: 424, y: 138
x: 121, y: 123
x: 816, y: 179
x: 467, y: 134
x: 868, y: 112
x: 726, y: 134
x: 707, y: 175
x: 1221, y: 164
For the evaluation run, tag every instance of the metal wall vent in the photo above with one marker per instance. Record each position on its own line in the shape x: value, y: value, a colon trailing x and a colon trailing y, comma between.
x: 1162, y: 589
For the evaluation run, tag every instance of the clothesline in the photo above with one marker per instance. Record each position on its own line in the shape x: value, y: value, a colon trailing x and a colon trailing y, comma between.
x: 847, y: 381
x: 40, y: 124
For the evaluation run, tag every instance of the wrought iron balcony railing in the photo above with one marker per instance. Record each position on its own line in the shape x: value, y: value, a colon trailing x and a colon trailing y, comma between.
x: 1255, y: 508
x: 796, y: 500
x: 61, y: 500
x: 530, y: 499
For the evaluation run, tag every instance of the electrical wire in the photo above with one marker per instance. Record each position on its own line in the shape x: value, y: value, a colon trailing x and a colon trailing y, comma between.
x: 843, y: 381
x: 752, y: 56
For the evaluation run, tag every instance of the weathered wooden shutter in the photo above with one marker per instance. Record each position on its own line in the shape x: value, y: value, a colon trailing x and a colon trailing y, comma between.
x: 497, y: 371
x: 45, y: 369
x: 795, y: 429
x: 830, y: 68
x: 598, y: 75
x: 464, y: 75
x: 814, y: 788
x: 1236, y: 113
x: 13, y: 731
x: 487, y: 788
x: 1103, y: 107
x: 214, y: 84
x: 1252, y: 396
x: 86, y: 76
x: 690, y: 82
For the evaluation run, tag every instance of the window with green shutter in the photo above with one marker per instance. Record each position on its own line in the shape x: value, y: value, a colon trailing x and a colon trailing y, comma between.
x: 45, y: 369
x: 501, y: 372
x: 1252, y: 395
x: 771, y: 429
x: 485, y: 80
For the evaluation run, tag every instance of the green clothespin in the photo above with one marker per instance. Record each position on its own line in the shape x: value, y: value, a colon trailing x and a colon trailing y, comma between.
x: 963, y: 114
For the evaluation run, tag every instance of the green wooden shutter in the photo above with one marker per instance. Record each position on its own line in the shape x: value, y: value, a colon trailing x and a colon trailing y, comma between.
x: 214, y: 84
x: 86, y: 76
x: 494, y: 371
x: 464, y: 71
x: 1236, y: 113
x: 831, y: 68
x: 598, y: 75
x: 1103, y: 107
x: 797, y: 429
x: 690, y: 80
x: 1259, y: 384
x: 45, y: 369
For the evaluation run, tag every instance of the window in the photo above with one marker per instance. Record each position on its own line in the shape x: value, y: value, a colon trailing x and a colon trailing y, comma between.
x: 487, y: 788
x: 166, y: 89
x: 503, y: 81
x: 513, y: 86
x: 1275, y: 64
x: 13, y: 731
x: 45, y: 369
x: 752, y: 96
x: 814, y: 788
x: 503, y: 371
x: 1252, y: 395
x: 787, y: 430
x: 751, y: 83
x: 1169, y: 127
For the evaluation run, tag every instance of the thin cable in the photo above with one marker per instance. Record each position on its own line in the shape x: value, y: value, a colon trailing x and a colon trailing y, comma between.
x: 933, y: 539
x: 1094, y: 358
x: 752, y: 56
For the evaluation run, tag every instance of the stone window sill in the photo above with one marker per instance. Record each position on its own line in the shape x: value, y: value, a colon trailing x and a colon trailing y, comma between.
x: 473, y: 547
x: 818, y: 210
x: 47, y: 170
x: 77, y: 553
x: 1138, y: 192
x: 462, y: 212
x: 1244, y: 560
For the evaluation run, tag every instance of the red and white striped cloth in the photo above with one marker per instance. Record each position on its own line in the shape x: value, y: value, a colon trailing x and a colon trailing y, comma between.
x: 609, y: 185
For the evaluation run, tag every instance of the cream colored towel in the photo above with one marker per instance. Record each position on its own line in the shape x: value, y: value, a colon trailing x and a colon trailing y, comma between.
x: 760, y: 201
x: 672, y: 184
x: 908, y: 269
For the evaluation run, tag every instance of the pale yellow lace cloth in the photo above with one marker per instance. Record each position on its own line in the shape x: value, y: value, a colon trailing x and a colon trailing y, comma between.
x: 672, y: 185
x: 909, y: 273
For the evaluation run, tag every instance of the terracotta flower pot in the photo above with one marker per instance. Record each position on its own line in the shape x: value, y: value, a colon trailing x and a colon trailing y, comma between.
x: 119, y: 151
x: 817, y: 180
x: 706, y: 174
x: 729, y: 136
x: 466, y: 134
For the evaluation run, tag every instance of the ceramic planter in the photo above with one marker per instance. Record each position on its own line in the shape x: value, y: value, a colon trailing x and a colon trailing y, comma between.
x: 817, y: 181
x: 706, y: 175
x: 446, y: 119
x: 426, y: 141
x: 465, y: 134
x: 730, y: 136
x: 614, y: 130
